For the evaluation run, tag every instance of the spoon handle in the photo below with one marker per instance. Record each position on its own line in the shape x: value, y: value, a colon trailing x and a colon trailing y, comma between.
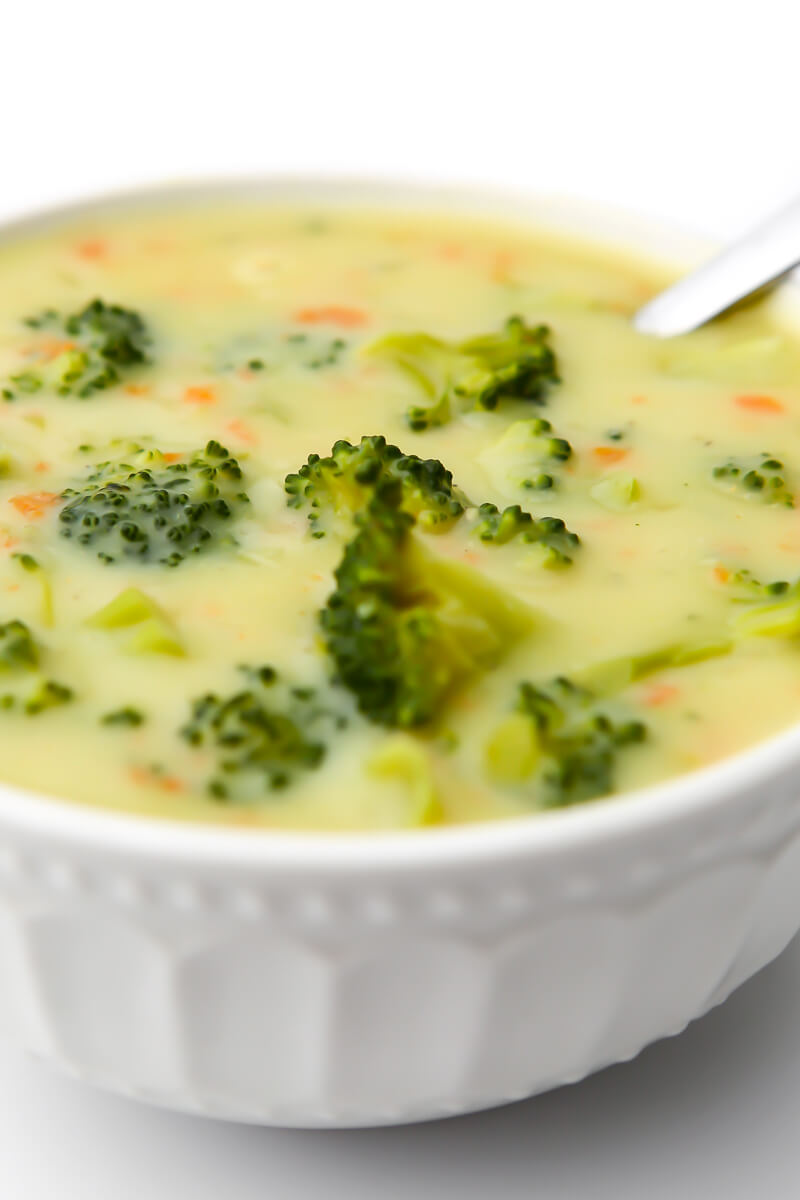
x: 760, y: 257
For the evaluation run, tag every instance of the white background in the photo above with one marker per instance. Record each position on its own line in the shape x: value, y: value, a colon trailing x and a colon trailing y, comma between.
x: 689, y: 110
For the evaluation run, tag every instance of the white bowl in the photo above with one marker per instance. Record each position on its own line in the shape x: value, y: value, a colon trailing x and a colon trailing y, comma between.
x: 332, y: 980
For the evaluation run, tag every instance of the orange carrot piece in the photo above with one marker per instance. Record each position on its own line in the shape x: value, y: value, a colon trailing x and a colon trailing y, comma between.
x: 639, y: 400
x: 213, y: 611
x: 761, y: 404
x: 137, y: 389
x: 452, y: 251
x: 660, y: 693
x: 243, y: 432
x: 92, y: 249
x: 502, y: 263
x: 147, y: 777
x: 51, y: 348
x: 42, y: 466
x: 34, y: 504
x: 608, y: 455
x: 721, y: 574
x: 199, y: 395
x: 172, y: 456
x: 332, y: 314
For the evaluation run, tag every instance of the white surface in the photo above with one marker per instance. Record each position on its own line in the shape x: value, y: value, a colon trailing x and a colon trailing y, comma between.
x: 688, y: 111
x: 708, y: 1115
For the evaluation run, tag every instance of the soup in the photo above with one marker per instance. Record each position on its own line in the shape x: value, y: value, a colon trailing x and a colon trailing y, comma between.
x: 373, y: 520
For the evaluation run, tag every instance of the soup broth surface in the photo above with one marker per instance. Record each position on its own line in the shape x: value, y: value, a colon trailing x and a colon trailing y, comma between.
x: 138, y: 682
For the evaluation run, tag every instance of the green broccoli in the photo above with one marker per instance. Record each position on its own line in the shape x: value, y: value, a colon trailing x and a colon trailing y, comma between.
x: 342, y: 483
x: 758, y: 477
x: 516, y: 363
x: 18, y: 649
x: 48, y: 694
x: 403, y: 629
x: 101, y: 343
x: 764, y: 609
x: 614, y: 675
x: 260, y: 735
x: 557, y: 543
x: 152, y: 510
x: 528, y: 456
x: 559, y: 737
x: 267, y: 351
x: 19, y: 657
x: 126, y: 717
x: 745, y: 588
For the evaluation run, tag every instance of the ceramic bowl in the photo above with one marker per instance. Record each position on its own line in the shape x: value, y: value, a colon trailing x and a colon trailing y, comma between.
x: 335, y: 980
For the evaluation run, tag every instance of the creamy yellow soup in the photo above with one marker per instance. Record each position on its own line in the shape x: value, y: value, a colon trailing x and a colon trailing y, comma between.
x: 576, y: 575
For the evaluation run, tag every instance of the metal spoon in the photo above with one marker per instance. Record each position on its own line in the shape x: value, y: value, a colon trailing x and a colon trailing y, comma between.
x: 757, y: 259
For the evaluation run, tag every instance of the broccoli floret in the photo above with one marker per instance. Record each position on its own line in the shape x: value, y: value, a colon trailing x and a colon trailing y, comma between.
x: 559, y: 737
x: 20, y: 656
x: 343, y: 482
x: 616, y: 492
x: 758, y: 477
x: 124, y: 717
x: 98, y: 345
x: 764, y: 609
x: 516, y: 363
x: 259, y: 735
x: 268, y: 351
x: 614, y: 675
x: 404, y: 630
x: 745, y: 588
x: 529, y: 455
x: 18, y: 649
x: 153, y: 510
x: 48, y: 694
x: 550, y: 533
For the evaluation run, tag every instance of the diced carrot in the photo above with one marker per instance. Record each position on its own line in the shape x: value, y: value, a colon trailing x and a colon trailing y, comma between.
x: 213, y: 611
x: 761, y: 404
x: 332, y: 314
x: 243, y: 432
x: 7, y: 542
x: 42, y: 466
x: 639, y: 400
x: 660, y: 693
x: 92, y: 249
x: 501, y: 266
x: 451, y: 251
x: 199, y: 395
x: 608, y: 455
x: 158, y: 245
x: 721, y: 574
x: 172, y: 456
x: 34, y: 504
x: 137, y: 389
x: 149, y: 778
x: 51, y: 348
